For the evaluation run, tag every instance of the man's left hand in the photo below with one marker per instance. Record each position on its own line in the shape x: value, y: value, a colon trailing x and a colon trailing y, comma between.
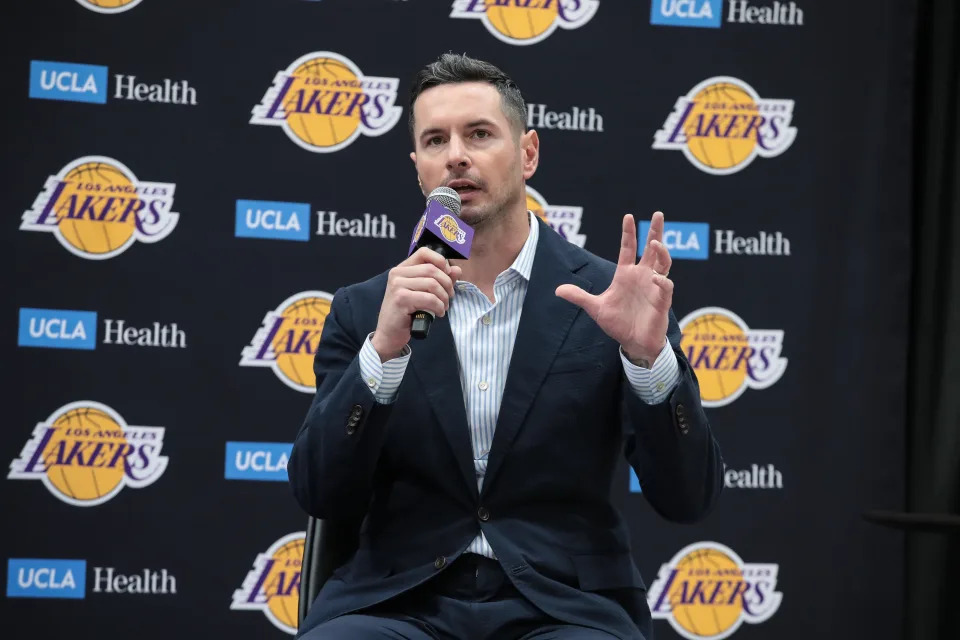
x: 634, y: 309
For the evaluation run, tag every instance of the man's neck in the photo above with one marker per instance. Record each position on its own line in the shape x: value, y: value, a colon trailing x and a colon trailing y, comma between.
x: 494, y: 250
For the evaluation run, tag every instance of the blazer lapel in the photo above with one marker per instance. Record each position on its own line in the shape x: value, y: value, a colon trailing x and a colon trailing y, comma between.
x: 544, y: 323
x: 435, y: 363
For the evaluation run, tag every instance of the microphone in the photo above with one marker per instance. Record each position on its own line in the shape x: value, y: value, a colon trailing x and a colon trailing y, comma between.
x: 439, y: 229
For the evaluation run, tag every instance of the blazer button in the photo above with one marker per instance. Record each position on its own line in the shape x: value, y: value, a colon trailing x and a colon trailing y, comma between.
x: 483, y: 514
x: 357, y: 412
x: 681, y: 412
x: 351, y: 428
x: 440, y: 562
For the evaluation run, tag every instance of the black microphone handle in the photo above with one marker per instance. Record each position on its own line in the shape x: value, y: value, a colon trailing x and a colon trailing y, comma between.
x: 422, y: 320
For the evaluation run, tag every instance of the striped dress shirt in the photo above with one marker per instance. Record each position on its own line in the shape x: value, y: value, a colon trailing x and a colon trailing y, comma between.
x: 484, y: 333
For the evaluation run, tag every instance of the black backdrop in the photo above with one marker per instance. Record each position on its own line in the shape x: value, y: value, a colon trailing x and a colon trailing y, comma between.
x: 830, y: 425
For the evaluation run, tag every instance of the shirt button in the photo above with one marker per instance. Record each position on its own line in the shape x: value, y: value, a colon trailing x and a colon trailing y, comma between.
x: 371, y: 382
x: 461, y: 287
x: 483, y: 385
x: 487, y: 320
x: 661, y: 386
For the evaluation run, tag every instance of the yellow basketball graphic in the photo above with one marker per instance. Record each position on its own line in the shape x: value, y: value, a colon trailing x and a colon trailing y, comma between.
x: 282, y: 585
x: 536, y: 206
x: 710, y: 146
x: 296, y: 342
x: 521, y: 23
x: 710, y: 333
x: 87, y: 183
x: 705, y: 620
x: 324, y: 129
x: 707, y: 591
x: 109, y: 4
x: 77, y: 481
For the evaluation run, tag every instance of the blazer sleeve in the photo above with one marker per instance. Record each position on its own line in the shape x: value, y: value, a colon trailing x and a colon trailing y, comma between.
x: 671, y: 447
x: 335, y: 453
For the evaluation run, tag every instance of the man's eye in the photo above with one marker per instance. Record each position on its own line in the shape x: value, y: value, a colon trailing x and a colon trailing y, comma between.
x: 434, y: 140
x: 481, y: 133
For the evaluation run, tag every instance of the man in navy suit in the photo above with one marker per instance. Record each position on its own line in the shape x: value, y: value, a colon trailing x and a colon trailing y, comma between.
x: 483, y: 456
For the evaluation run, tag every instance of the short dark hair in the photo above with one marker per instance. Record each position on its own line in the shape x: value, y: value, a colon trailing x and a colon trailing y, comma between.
x: 451, y: 68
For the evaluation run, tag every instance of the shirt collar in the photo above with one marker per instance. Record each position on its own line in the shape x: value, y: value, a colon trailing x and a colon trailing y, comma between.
x: 523, y: 264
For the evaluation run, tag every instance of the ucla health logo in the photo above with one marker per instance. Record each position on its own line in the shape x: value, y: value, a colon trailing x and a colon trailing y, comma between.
x: 257, y: 461
x: 68, y: 81
x: 564, y: 219
x: 686, y: 13
x: 287, y: 340
x: 46, y: 578
x: 109, y: 6
x: 684, y: 240
x: 728, y: 356
x: 526, y: 22
x: 97, y: 208
x: 323, y: 102
x: 84, y: 453
x: 273, y: 584
x: 57, y: 329
x: 707, y: 591
x: 273, y: 220
x: 722, y: 125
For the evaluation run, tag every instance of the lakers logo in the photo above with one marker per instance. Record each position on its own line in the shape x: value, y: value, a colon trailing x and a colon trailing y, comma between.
x: 323, y: 102
x: 722, y: 124
x: 85, y: 453
x: 563, y: 219
x: 728, y: 356
x: 109, y: 6
x: 273, y: 585
x: 451, y: 231
x: 706, y: 592
x: 418, y: 231
x: 523, y: 22
x: 97, y: 208
x: 288, y: 339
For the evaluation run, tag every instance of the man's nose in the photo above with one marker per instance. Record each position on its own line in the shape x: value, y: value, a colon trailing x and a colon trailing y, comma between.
x: 457, y: 157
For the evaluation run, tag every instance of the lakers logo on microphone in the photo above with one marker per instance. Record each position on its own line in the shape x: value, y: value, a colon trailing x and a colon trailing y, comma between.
x: 109, y: 6
x: 96, y: 208
x: 84, y: 453
x: 323, y: 102
x: 564, y: 219
x: 526, y: 22
x: 722, y: 125
x: 288, y: 339
x: 728, y: 356
x: 707, y: 591
x: 273, y: 584
x: 450, y: 229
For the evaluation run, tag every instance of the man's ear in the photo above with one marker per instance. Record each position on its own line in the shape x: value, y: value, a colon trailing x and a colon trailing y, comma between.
x: 530, y: 153
x: 413, y: 156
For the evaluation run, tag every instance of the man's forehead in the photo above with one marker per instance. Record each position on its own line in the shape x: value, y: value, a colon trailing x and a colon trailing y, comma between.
x: 457, y: 104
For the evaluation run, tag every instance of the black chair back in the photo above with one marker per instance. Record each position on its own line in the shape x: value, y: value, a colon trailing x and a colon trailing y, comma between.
x: 329, y: 544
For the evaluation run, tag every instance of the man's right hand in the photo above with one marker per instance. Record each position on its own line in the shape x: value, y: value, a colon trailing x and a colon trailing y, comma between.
x: 424, y: 281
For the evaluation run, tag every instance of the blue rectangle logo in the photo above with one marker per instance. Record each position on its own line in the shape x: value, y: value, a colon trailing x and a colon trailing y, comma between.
x: 46, y: 578
x: 257, y: 461
x: 634, y: 482
x: 686, y: 13
x: 684, y: 240
x: 68, y: 81
x: 57, y: 329
x: 273, y: 220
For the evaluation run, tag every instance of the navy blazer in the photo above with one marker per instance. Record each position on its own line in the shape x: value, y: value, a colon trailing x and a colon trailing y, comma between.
x: 567, y: 414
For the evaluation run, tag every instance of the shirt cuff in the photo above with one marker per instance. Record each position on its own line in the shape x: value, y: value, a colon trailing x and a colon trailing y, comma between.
x: 655, y: 384
x: 382, y: 378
